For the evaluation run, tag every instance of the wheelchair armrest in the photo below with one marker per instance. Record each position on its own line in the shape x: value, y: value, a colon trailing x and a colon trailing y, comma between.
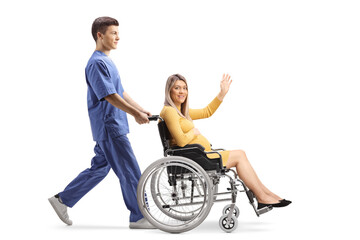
x: 218, y: 149
x: 189, y: 146
x: 197, y: 147
x: 197, y: 153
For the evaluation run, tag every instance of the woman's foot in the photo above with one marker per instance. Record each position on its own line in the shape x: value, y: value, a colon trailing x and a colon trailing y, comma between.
x: 281, y: 203
x: 285, y: 202
x: 262, y: 205
x: 266, y: 201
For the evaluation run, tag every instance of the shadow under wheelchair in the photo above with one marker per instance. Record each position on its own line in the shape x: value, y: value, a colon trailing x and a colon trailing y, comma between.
x: 244, y: 226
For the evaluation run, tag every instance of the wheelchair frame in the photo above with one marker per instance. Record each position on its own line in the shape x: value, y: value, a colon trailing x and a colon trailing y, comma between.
x: 175, y: 210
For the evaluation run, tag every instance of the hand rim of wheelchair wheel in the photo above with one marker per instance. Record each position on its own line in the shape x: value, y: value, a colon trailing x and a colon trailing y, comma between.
x: 171, y: 212
x: 143, y: 200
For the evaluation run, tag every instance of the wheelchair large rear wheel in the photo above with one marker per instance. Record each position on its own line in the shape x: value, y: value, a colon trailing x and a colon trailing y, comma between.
x: 174, y: 194
x: 180, y: 187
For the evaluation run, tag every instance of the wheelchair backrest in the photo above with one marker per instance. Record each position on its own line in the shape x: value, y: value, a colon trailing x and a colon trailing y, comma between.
x: 164, y: 135
x: 194, y: 152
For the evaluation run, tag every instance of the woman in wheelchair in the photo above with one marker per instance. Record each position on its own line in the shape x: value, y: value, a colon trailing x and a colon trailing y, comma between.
x: 179, y: 121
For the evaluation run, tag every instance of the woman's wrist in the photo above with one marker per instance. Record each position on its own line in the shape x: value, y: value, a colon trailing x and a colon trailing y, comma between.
x: 221, y: 96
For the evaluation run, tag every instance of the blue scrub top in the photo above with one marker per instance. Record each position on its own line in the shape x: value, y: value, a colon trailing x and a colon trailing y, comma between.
x: 103, y: 79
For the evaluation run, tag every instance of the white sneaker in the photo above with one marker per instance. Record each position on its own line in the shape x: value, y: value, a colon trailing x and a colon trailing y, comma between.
x: 60, y: 209
x: 141, y: 224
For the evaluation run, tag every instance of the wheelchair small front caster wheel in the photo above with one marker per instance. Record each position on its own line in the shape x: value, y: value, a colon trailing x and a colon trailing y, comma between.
x: 228, y: 224
x: 226, y: 210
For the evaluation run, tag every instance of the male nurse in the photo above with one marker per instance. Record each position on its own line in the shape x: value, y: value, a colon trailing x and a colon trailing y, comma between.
x: 108, y: 104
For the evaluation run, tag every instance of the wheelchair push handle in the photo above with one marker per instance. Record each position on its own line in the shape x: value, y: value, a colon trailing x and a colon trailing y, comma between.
x: 154, y: 118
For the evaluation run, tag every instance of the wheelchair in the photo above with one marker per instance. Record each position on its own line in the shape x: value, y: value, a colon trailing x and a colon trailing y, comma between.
x: 176, y: 193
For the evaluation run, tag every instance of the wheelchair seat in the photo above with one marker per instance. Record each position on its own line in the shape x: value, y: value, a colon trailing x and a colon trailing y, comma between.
x: 195, y: 152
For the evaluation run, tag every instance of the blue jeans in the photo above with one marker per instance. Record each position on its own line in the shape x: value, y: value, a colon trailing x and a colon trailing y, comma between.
x: 115, y: 153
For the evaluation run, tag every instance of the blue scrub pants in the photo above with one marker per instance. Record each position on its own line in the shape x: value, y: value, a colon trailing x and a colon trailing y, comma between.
x: 115, y: 153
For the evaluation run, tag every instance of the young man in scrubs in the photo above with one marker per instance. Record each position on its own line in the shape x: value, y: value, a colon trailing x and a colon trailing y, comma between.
x: 108, y: 104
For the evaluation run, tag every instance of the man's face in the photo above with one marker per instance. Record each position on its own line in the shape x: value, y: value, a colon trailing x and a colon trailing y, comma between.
x: 110, y: 38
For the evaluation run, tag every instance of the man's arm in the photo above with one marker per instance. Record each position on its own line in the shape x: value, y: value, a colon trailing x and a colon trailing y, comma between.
x: 130, y: 101
x: 117, y: 101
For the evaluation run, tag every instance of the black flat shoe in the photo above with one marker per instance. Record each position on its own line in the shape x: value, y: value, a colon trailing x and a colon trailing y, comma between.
x: 262, y: 205
x: 285, y: 202
x: 282, y: 203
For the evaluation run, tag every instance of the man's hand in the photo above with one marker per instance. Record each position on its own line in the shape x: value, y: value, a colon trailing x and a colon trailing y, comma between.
x: 141, y: 118
x: 147, y: 113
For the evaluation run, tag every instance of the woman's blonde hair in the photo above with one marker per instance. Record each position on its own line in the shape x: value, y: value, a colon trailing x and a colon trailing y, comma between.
x: 169, y: 102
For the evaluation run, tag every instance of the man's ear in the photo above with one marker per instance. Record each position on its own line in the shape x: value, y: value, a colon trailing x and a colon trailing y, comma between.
x: 99, y: 35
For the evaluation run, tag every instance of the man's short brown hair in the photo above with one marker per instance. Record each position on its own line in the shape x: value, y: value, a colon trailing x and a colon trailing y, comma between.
x: 101, y: 24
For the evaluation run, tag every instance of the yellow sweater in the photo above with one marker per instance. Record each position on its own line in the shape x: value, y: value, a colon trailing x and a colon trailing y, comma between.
x: 181, y: 128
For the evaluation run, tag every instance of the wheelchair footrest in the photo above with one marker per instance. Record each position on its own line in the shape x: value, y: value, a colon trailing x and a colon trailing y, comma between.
x: 264, y: 210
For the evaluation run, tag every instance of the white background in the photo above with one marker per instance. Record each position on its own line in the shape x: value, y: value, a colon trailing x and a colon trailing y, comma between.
x: 293, y: 107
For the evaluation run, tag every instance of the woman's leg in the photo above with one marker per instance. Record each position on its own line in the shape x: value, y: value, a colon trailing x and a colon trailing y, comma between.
x: 265, y: 189
x: 245, y: 171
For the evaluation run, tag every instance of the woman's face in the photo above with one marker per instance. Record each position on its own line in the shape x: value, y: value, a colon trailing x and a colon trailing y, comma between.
x: 179, y: 92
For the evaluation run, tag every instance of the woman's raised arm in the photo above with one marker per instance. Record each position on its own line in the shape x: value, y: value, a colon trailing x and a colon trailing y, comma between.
x: 210, y: 109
